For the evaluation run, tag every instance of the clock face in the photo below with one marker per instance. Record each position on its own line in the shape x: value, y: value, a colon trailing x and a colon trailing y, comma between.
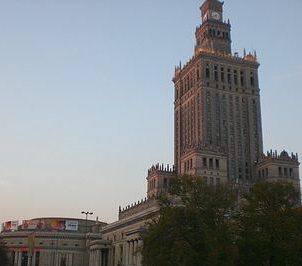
x: 215, y: 15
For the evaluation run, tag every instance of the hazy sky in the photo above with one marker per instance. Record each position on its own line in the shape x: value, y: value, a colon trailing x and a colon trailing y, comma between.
x: 86, y: 103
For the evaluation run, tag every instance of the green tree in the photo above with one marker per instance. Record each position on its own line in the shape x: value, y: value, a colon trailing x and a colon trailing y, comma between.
x: 3, y: 255
x: 270, y: 226
x: 198, y: 229
x: 206, y: 225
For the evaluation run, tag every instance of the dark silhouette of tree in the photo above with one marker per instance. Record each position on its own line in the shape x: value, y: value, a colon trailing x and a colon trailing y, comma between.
x: 197, y: 230
x: 271, y: 226
x: 3, y: 255
x: 219, y: 226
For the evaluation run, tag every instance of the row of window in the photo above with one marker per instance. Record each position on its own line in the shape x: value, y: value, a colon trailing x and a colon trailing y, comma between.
x: 228, y: 75
x: 152, y: 184
x: 213, y: 33
x: 25, y: 259
x: 209, y: 163
x: 221, y: 73
x: 211, y: 180
x: 41, y: 243
x: 188, y: 165
x: 282, y: 171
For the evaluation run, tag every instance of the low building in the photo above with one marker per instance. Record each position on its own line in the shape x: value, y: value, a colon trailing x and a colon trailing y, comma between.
x: 53, y: 241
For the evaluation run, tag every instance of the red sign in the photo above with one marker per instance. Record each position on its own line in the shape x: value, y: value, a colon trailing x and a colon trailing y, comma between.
x: 25, y: 249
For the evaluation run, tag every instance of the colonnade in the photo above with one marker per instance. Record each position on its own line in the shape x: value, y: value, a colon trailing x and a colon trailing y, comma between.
x: 133, y: 252
x: 98, y: 253
x: 95, y: 257
x: 58, y: 256
x: 55, y: 258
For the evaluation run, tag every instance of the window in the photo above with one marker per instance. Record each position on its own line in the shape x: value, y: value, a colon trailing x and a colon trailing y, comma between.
x: 242, y: 78
x: 207, y: 71
x: 252, y: 79
x: 205, y: 179
x: 218, y: 181
x: 280, y: 171
x: 217, y: 163
x: 266, y: 172
x: 211, y: 180
x: 216, y: 73
x: 222, y: 74
x: 285, y: 171
x: 229, y: 76
x: 63, y: 261
x: 165, y: 183
x: 204, y: 162
x: 290, y: 172
x: 211, y: 163
x: 235, y: 77
x: 24, y: 258
x: 191, y: 164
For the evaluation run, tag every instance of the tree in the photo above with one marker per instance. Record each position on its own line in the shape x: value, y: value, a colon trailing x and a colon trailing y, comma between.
x: 3, y: 255
x: 197, y: 230
x: 270, y: 231
x: 206, y: 225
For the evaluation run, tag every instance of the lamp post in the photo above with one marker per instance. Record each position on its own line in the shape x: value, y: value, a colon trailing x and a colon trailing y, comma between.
x: 86, y: 214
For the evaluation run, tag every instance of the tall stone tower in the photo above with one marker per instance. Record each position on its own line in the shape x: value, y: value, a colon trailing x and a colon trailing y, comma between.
x: 217, y: 116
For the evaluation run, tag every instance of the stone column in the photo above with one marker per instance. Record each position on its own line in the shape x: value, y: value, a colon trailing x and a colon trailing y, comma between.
x: 97, y: 261
x: 34, y: 259
x: 90, y: 258
x: 19, y: 258
x: 29, y: 259
x: 136, y: 251
x: 57, y: 261
x: 94, y: 257
x: 131, y: 252
x: 69, y: 259
x: 100, y: 258
x: 126, y: 252
x: 16, y: 258
x: 139, y: 253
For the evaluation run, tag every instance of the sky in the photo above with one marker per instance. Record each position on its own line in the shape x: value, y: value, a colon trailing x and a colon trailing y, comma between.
x: 86, y: 97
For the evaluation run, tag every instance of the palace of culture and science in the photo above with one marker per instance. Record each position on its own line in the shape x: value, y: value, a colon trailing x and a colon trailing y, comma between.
x: 217, y: 137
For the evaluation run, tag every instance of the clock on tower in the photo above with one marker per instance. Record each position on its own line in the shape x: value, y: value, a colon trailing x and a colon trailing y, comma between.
x: 214, y: 34
x: 212, y: 9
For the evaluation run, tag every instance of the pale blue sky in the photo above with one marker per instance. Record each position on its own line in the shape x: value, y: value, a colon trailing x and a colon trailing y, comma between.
x: 86, y: 98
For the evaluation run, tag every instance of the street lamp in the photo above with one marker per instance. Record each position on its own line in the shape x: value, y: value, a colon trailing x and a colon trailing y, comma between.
x: 86, y: 214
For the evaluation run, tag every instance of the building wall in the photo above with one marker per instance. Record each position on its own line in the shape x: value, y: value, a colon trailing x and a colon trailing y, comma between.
x: 125, y: 235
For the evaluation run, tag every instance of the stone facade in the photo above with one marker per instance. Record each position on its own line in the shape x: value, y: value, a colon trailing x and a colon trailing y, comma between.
x: 217, y: 100
x: 279, y: 167
x: 50, y: 247
x: 125, y: 234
